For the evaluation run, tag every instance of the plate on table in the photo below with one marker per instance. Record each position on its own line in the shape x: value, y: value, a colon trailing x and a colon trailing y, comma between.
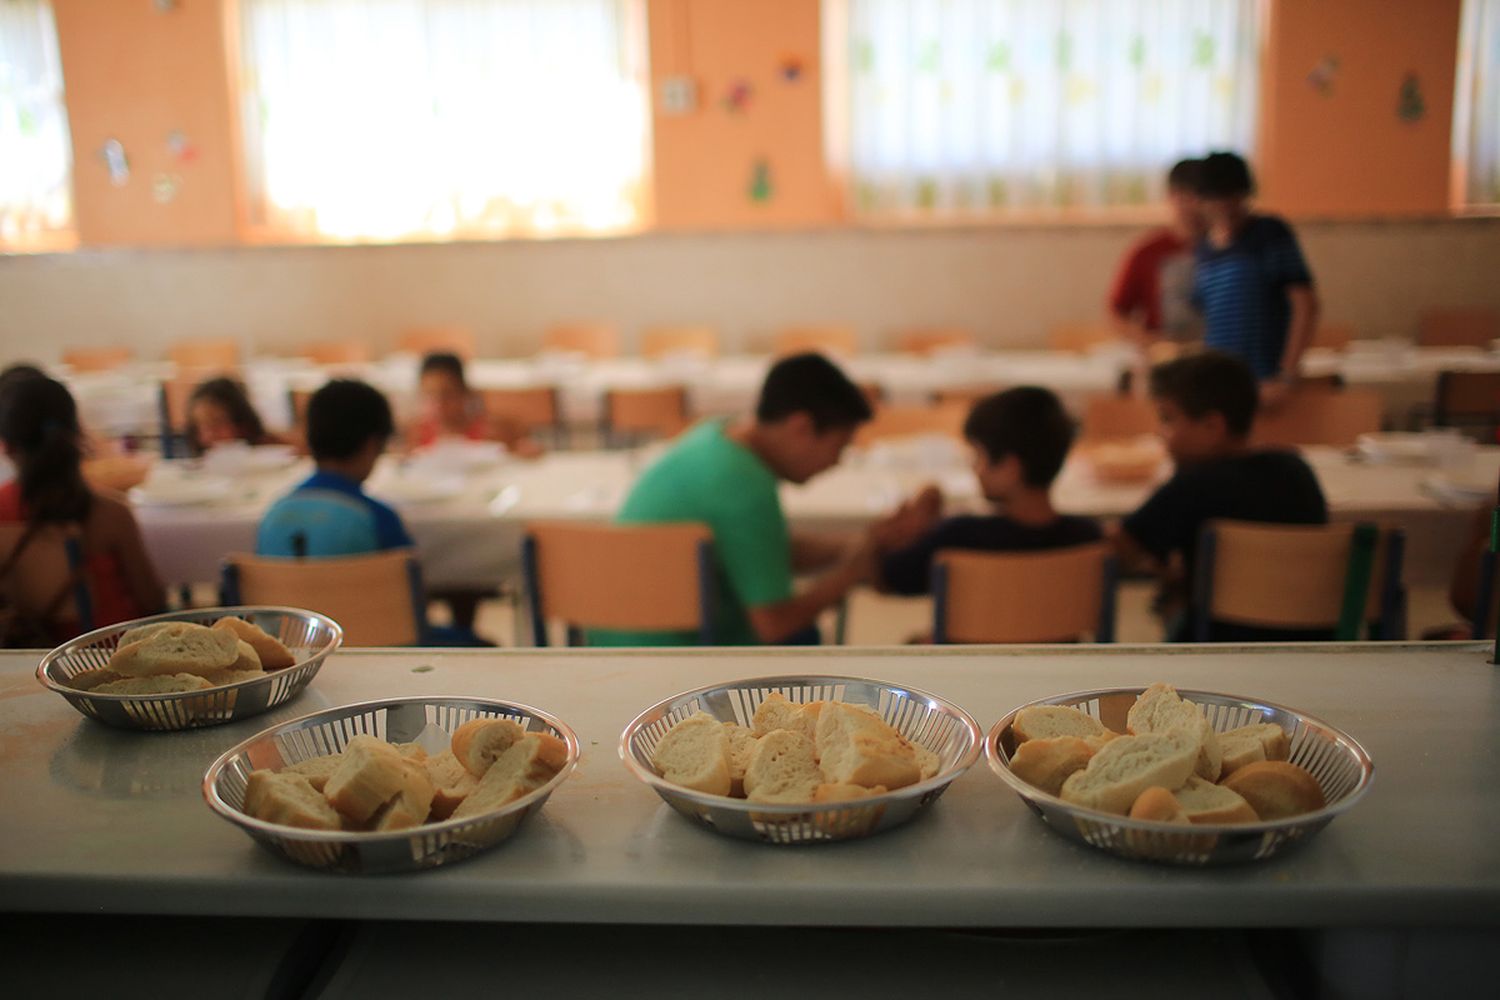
x: 239, y: 458
x: 458, y: 455
x: 407, y: 491
x: 181, y: 491
x: 1405, y: 448
x: 1461, y: 487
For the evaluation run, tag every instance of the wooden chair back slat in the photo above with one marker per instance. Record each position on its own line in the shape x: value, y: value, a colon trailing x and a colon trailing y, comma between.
x: 376, y: 598
x: 1052, y: 596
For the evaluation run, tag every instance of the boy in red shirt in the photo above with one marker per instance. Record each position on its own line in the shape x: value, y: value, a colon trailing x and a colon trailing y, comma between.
x: 1152, y: 293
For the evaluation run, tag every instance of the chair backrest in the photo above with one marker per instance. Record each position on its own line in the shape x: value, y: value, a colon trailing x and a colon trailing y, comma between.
x: 635, y: 577
x: 531, y: 408
x: 1118, y: 418
x: 44, y: 571
x: 1058, y: 595
x: 336, y: 352
x: 1469, y: 327
x: 930, y: 340
x: 97, y: 359
x: 1466, y: 397
x: 1333, y: 336
x: 597, y: 340
x: 659, y: 411
x: 664, y: 340
x: 913, y: 421
x: 205, y: 352
x: 421, y: 340
x: 1316, y: 415
x: 1293, y: 576
x: 1079, y: 338
x: 376, y: 598
x: 836, y: 340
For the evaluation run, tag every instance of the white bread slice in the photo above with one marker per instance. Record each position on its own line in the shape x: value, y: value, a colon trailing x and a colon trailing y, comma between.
x: 695, y: 754
x: 1276, y: 789
x: 370, y: 775
x: 247, y: 660
x: 777, y: 713
x: 155, y: 684
x: 409, y: 807
x: 1125, y: 767
x: 1159, y: 806
x: 317, y: 770
x: 289, y: 800
x: 859, y: 748
x: 87, y: 680
x: 411, y: 751
x: 1160, y: 708
x: 273, y: 655
x: 478, y: 742
x: 519, y: 771
x: 1206, y: 802
x: 451, y: 781
x: 1046, y: 763
x: 1249, y: 744
x: 783, y: 768
x: 141, y: 632
x: 845, y: 793
x: 929, y: 764
x: 1040, y: 722
x: 741, y: 746
x: 190, y: 649
x: 218, y: 678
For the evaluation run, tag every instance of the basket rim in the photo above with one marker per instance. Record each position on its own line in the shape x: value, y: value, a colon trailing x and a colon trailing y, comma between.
x: 43, y: 670
x: 211, y: 796
x: 1031, y: 793
x: 937, y: 781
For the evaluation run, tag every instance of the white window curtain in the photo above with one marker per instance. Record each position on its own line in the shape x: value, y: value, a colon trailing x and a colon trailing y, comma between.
x: 983, y: 107
x: 36, y: 155
x: 392, y: 119
x: 1476, y: 108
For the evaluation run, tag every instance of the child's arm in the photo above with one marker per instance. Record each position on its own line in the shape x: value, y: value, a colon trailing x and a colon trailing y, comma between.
x: 122, y: 536
x: 1305, y: 311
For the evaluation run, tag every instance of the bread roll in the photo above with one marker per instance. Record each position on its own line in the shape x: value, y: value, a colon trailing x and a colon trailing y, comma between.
x: 858, y: 748
x: 411, y: 751
x: 370, y: 774
x: 185, y: 649
x: 1276, y: 789
x: 741, y: 746
x: 1046, y: 763
x: 409, y: 807
x: 929, y: 764
x: 155, y: 684
x: 845, y: 793
x: 519, y: 771
x: 141, y: 632
x: 87, y: 680
x: 1039, y: 722
x: 272, y: 653
x: 1159, y: 709
x: 1248, y: 744
x: 478, y: 742
x: 695, y: 754
x: 317, y: 770
x: 1158, y: 805
x: 777, y: 713
x: 1125, y: 767
x: 452, y: 783
x: 782, y: 768
x: 1204, y: 802
x: 218, y: 678
x: 288, y: 799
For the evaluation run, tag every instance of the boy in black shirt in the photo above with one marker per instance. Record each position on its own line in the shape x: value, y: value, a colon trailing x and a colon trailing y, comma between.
x: 1207, y: 404
x: 1020, y: 439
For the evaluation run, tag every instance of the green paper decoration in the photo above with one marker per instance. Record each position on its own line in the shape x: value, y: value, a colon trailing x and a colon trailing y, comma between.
x: 927, y: 194
x: 761, y: 188
x: 1203, y: 50
x: 999, y: 58
x: 1064, y: 51
x: 1138, y: 51
x: 930, y: 59
x: 1411, y: 106
x: 26, y: 121
x: 999, y: 192
x: 864, y: 56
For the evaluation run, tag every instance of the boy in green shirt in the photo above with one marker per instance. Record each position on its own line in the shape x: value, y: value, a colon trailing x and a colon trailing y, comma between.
x: 725, y: 475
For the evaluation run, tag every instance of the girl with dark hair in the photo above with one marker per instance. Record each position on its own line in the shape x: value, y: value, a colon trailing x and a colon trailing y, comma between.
x: 41, y: 436
x: 218, y: 412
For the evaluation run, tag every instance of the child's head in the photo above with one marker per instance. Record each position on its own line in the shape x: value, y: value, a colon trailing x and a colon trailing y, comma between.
x: 1224, y: 186
x: 219, y: 411
x: 807, y: 414
x: 1206, y: 403
x: 39, y: 428
x: 348, y: 425
x: 1020, y: 439
x: 444, y: 390
x: 1182, y: 195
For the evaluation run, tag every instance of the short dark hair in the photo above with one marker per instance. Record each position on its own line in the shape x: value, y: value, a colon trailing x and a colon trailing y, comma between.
x: 344, y: 415
x: 230, y: 396
x: 446, y: 363
x: 1210, y: 382
x: 1028, y: 422
x: 18, y: 373
x: 40, y: 429
x: 1185, y: 175
x: 1225, y: 175
x: 811, y: 384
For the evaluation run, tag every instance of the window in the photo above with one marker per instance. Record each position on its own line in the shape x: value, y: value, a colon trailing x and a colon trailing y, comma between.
x: 978, y: 107
x: 36, y: 203
x: 1476, y: 107
x: 443, y: 118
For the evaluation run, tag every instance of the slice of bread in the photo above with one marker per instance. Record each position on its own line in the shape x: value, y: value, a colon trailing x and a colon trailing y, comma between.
x: 1040, y: 722
x: 189, y: 649
x: 1276, y: 789
x: 87, y: 680
x: 317, y: 770
x: 929, y: 764
x: 370, y: 774
x: 1159, y: 709
x: 1204, y: 802
x: 478, y: 742
x: 845, y: 793
x: 1249, y: 744
x: 1047, y: 763
x: 272, y: 652
x: 247, y: 660
x: 409, y: 807
x: 289, y: 800
x: 695, y: 754
x: 741, y: 746
x: 155, y: 684
x: 1126, y: 766
x: 451, y: 781
x: 141, y: 632
x: 411, y: 751
x: 1158, y: 805
x: 519, y: 771
x: 218, y: 678
x: 856, y: 747
x: 777, y: 713
x: 783, y: 768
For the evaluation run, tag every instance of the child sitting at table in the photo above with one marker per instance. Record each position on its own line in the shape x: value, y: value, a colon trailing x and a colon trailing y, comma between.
x: 450, y: 409
x: 1019, y: 439
x: 1207, y: 404
x: 42, y: 437
x: 219, y: 412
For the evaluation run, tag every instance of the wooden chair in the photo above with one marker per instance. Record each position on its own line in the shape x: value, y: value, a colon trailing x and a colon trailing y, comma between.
x: 97, y: 359
x: 931, y: 340
x: 648, y: 578
x: 840, y: 341
x: 891, y: 422
x: 1319, y: 416
x: 596, y: 340
x: 1117, y: 418
x: 377, y: 599
x: 1059, y: 595
x: 965, y: 395
x: 423, y: 340
x: 661, y: 341
x: 218, y: 353
x: 1471, y: 327
x: 1079, y: 338
x: 1333, y: 336
x: 1278, y: 576
x: 172, y: 404
x: 336, y: 352
x: 633, y: 415
x: 534, y: 408
x: 1467, y: 399
x: 45, y: 584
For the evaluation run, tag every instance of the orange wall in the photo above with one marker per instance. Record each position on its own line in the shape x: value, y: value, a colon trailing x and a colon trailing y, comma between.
x: 136, y: 74
x: 1348, y: 154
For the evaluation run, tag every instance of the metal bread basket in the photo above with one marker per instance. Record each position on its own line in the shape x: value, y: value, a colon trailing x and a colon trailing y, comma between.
x: 429, y: 722
x: 310, y: 636
x: 1334, y: 758
x: 938, y: 725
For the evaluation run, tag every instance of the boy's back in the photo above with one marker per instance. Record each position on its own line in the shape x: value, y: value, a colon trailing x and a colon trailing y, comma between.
x: 329, y: 516
x: 909, y: 570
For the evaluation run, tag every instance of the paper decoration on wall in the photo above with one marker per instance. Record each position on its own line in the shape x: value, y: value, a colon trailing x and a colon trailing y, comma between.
x: 1323, y: 75
x: 737, y: 99
x: 1411, y: 106
x: 112, y: 154
x: 761, y: 189
x: 790, y: 69
x: 181, y: 147
x: 164, y: 6
x: 164, y: 188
